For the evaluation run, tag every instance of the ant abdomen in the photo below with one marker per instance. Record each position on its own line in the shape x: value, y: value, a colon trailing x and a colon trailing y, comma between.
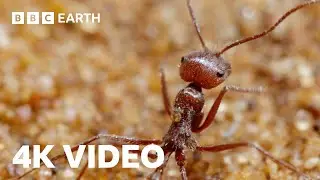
x: 205, y: 69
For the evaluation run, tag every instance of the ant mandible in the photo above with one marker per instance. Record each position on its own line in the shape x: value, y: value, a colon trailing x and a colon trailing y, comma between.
x: 203, y: 69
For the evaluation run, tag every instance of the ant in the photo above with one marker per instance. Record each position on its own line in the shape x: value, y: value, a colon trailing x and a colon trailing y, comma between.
x: 203, y: 69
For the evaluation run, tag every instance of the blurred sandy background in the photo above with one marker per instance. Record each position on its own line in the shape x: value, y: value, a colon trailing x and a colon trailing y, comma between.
x: 63, y: 83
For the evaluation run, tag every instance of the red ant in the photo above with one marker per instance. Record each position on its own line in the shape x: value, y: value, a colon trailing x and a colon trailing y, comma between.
x: 203, y: 69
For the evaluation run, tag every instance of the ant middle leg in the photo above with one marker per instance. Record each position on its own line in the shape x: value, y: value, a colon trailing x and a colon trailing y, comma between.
x: 196, y: 127
x: 165, y: 94
x: 158, y: 172
x: 114, y: 139
x: 265, y: 153
x: 85, y: 167
x: 83, y: 170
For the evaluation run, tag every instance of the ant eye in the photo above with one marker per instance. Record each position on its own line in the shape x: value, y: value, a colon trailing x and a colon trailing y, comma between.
x: 183, y: 59
x: 219, y: 74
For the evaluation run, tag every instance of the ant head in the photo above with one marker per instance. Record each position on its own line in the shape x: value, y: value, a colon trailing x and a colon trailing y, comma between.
x: 205, y: 69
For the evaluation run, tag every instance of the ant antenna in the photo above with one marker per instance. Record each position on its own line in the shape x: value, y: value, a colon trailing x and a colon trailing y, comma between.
x: 194, y: 22
x: 257, y: 36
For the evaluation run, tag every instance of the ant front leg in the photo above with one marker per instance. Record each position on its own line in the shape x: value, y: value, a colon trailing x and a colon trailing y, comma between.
x: 180, y: 159
x: 265, y: 153
x: 165, y: 95
x: 115, y: 139
x: 196, y: 127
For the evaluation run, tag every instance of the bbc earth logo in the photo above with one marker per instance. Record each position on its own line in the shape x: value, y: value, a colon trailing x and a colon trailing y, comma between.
x: 52, y: 18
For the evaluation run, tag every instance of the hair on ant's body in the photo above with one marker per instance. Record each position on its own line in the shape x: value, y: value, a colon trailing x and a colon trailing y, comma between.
x: 202, y: 69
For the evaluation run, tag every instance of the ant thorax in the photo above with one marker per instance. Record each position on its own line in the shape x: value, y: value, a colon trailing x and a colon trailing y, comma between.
x: 187, y: 107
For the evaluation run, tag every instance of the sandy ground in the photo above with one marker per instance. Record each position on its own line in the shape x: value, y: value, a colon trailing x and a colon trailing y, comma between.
x: 63, y: 83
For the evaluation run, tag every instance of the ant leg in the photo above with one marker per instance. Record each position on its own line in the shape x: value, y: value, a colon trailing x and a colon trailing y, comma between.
x: 112, y: 138
x: 183, y: 173
x: 158, y: 172
x: 195, y: 124
x: 165, y: 95
x: 196, y: 127
x: 83, y: 170
x: 85, y: 167
x: 180, y: 158
x: 265, y: 153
